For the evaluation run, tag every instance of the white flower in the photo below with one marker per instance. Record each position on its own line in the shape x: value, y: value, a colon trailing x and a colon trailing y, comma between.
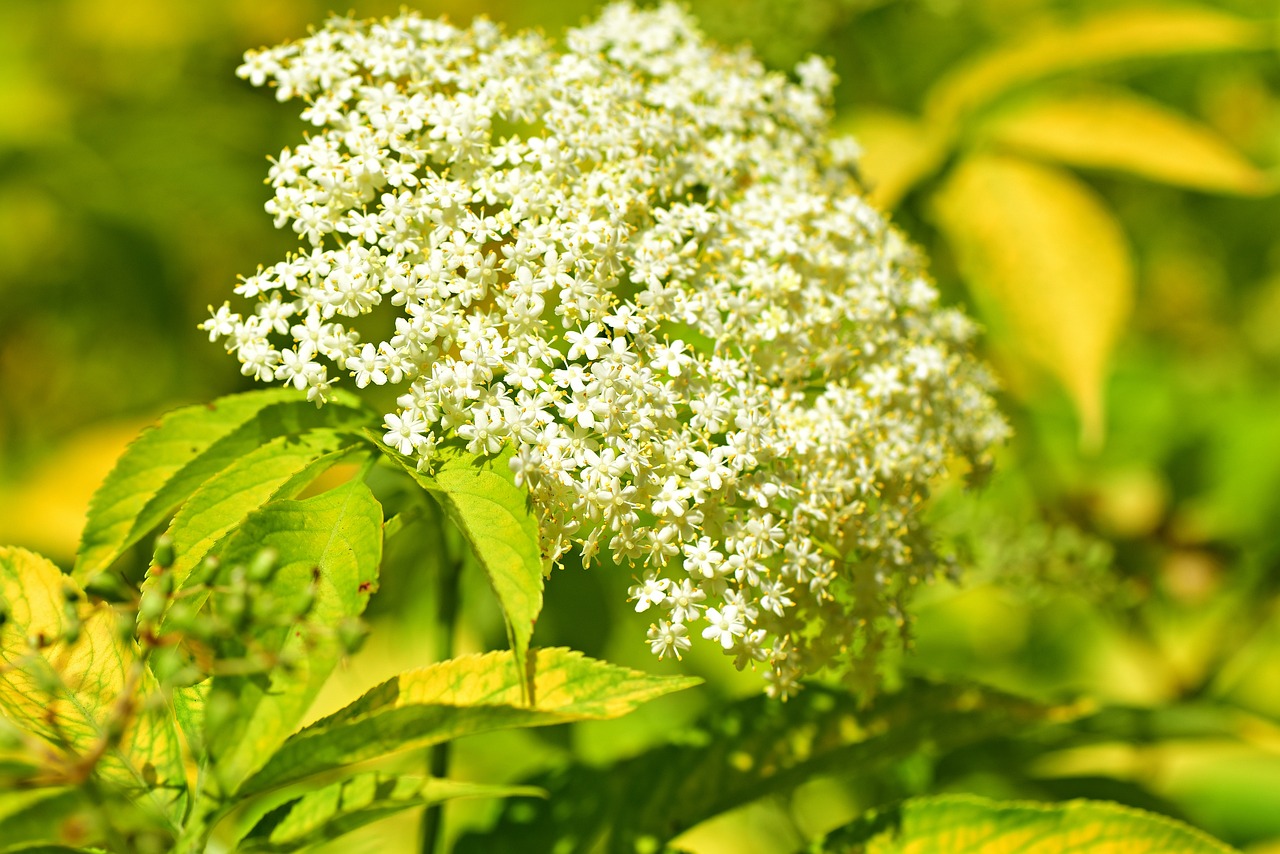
x: 221, y: 323
x: 668, y: 637
x: 369, y: 366
x: 406, y: 433
x: 726, y: 627
x: 708, y: 352
x: 651, y: 591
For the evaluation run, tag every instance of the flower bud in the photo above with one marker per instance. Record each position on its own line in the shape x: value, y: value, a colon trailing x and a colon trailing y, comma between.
x: 70, y: 622
x: 109, y: 587
x: 234, y: 608
x: 152, y: 605
x: 163, y: 556
x: 263, y: 566
x: 352, y: 632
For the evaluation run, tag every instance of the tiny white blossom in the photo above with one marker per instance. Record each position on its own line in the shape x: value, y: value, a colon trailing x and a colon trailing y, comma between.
x: 668, y: 637
x: 726, y: 626
x: 651, y: 591
x: 405, y: 432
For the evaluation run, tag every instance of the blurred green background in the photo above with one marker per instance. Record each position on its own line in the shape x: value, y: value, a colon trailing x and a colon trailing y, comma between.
x: 1125, y: 259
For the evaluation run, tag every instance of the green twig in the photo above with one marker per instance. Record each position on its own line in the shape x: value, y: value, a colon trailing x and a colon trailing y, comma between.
x: 446, y: 617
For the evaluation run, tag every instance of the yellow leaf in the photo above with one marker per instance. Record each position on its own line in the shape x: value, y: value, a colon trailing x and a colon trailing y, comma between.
x: 1118, y: 130
x: 1047, y: 263
x: 1103, y: 39
x: 898, y: 151
x: 973, y: 825
x: 84, y: 697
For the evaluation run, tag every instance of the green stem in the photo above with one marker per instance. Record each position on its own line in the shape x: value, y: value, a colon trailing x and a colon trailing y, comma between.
x: 446, y: 618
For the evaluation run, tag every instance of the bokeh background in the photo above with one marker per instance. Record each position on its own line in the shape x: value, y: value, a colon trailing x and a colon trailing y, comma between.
x: 1094, y: 180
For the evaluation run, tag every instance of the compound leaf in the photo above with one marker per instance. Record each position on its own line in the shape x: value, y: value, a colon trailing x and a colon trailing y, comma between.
x: 168, y: 462
x: 331, y: 545
x: 463, y: 696
x: 278, y: 469
x: 344, y: 806
x: 1049, y: 266
x: 897, y: 152
x: 84, y: 693
x: 752, y: 749
x: 1121, y: 131
x: 1102, y: 39
x: 982, y: 826
x: 494, y: 515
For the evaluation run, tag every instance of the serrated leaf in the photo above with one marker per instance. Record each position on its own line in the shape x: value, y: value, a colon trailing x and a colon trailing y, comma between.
x: 1121, y: 131
x: 347, y: 805
x: 1102, y: 39
x: 463, y: 696
x: 128, y: 504
x: 331, y: 544
x: 897, y: 152
x: 965, y: 823
x: 750, y: 750
x: 34, y: 816
x: 1049, y: 266
x: 278, y: 469
x: 75, y: 695
x: 480, y: 495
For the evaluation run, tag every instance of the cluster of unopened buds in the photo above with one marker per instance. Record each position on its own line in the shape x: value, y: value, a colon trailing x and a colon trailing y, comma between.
x: 204, y: 626
x: 226, y: 620
x: 638, y: 261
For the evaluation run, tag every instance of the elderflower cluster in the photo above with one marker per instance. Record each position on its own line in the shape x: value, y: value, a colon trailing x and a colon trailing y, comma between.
x: 638, y: 262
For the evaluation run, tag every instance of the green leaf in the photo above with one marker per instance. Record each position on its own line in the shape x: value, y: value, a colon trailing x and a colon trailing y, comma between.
x: 898, y: 151
x: 750, y: 750
x: 1049, y: 266
x: 1121, y: 131
x: 86, y: 698
x: 1102, y: 39
x: 21, y: 761
x: 463, y: 696
x: 331, y: 544
x: 964, y: 823
x: 278, y: 469
x: 188, y: 710
x: 34, y: 816
x: 347, y: 805
x: 168, y: 462
x: 480, y: 495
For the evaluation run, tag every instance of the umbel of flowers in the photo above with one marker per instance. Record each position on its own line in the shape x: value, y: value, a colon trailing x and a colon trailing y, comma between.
x: 637, y: 260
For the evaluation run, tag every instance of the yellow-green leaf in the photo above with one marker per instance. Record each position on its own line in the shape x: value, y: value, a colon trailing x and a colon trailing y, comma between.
x: 897, y: 152
x: 480, y: 496
x: 125, y: 507
x: 742, y: 752
x: 1049, y: 266
x: 49, y: 815
x: 76, y: 694
x: 971, y: 825
x: 278, y: 469
x: 344, y: 806
x: 1105, y: 38
x: 463, y: 696
x: 330, y: 544
x: 1121, y: 131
